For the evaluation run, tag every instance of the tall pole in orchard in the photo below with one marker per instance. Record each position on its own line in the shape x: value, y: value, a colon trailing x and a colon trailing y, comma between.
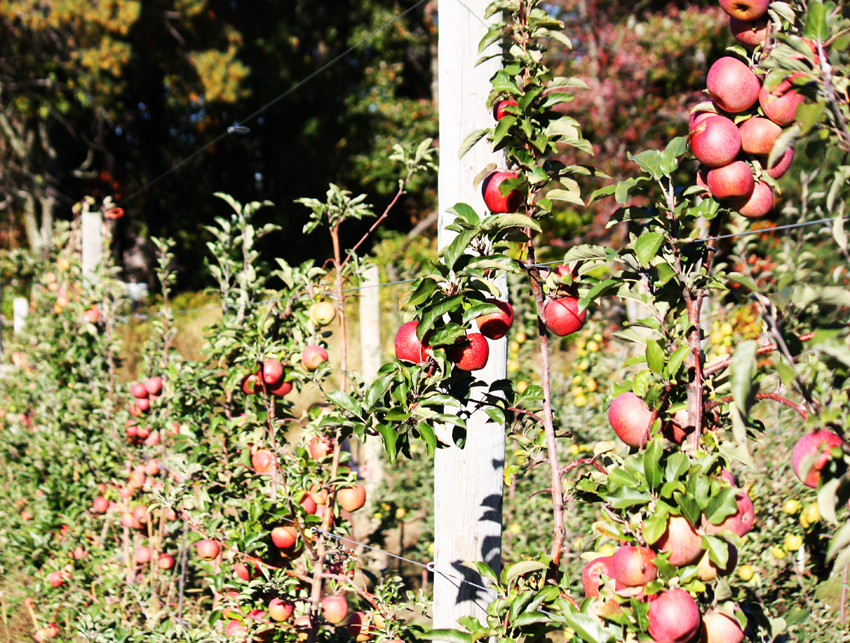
x: 467, y: 482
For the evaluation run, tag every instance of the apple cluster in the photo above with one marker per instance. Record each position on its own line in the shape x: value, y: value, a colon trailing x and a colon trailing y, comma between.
x: 733, y: 134
x: 144, y: 394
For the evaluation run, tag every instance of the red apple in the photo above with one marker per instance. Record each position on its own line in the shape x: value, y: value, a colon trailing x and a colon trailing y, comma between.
x: 100, y: 505
x: 781, y: 166
x: 408, y: 348
x: 631, y: 419
x: 307, y: 503
x: 562, y: 316
x: 272, y: 373
x: 252, y: 384
x: 632, y: 565
x: 283, y: 389
x: 673, y: 617
x: 139, y: 391
x: 92, y: 315
x: 320, y: 447
x: 166, y: 561
x: 52, y: 630
x: 55, y: 579
x: 351, y: 498
x: 758, y: 135
x: 682, y: 541
x: 140, y: 514
x: 154, y: 385
x: 262, y: 461
x: 358, y: 627
x: 142, y: 555
x: 719, y: 628
x: 750, y: 33
x: 284, y: 537
x: 745, y: 9
x: 715, y: 141
x: 234, y: 628
x: 280, y: 609
x: 497, y: 202
x: 469, y: 353
x: 732, y: 181
x: 700, y: 112
x: 780, y: 104
x: 759, y: 203
x: 499, y: 109
x: 820, y: 444
x: 702, y: 179
x: 208, y: 549
x: 313, y: 356
x: 732, y: 85
x: 678, y: 429
x: 740, y: 522
x: 496, y: 325
x: 334, y: 608
x: 591, y: 575
x: 243, y: 572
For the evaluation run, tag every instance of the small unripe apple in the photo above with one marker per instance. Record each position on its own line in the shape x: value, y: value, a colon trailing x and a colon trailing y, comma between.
x: 284, y: 537
x: 682, y: 541
x: 322, y: 313
x: 208, y: 549
x: 497, y: 202
x: 562, y: 316
x: 750, y: 33
x: 496, y: 325
x: 469, y: 353
x: 138, y: 390
x: 818, y: 443
x: 745, y: 9
x: 732, y: 181
x: 334, y: 608
x: 313, y: 356
x: 408, y: 348
x: 351, y: 498
x: 631, y: 419
x: 272, y: 373
x: 632, y: 565
x: 280, y: 609
x: 673, y: 617
x: 499, y: 109
x: 262, y: 461
x: 758, y: 204
x: 166, y: 561
x: 758, y: 135
x: 732, y: 85
x: 590, y: 575
x: 154, y: 385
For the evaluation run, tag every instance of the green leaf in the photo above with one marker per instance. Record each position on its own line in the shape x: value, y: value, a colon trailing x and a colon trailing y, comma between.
x: 529, y: 618
x: 741, y: 367
x: 345, y: 401
x: 470, y: 141
x: 654, y: 356
x: 390, y: 437
x: 647, y: 246
x: 570, y: 196
x: 677, y: 464
x: 839, y: 541
x: 650, y: 162
x: 516, y: 570
x: 785, y: 140
x: 465, y: 212
x: 676, y: 360
x: 432, y: 313
x: 817, y: 16
x: 721, y: 506
x: 827, y: 499
x: 652, y: 463
x: 640, y: 385
x: 621, y: 478
x: 587, y: 628
x: 624, y: 497
x: 423, y: 291
x: 452, y: 636
x: 514, y: 220
x: 654, y: 527
x: 483, y: 570
x: 457, y: 247
x: 718, y: 550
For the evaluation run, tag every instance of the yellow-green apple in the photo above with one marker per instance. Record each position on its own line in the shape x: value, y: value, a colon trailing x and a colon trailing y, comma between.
x: 719, y: 628
x: 322, y: 313
x: 758, y: 204
x: 469, y: 353
x: 263, y: 461
x: 745, y: 9
x: 815, y: 448
x: 494, y: 199
x: 758, y: 135
x: 272, y: 373
x: 681, y: 540
x: 313, y: 356
x: 732, y: 85
x: 408, y: 348
x: 166, y: 561
x: 154, y: 385
x: 750, y: 33
x: 496, y: 325
x: 715, y: 141
x: 280, y: 609
x: 562, y: 316
x: 500, y: 109
x: 284, y: 537
x: 673, y: 617
x: 592, y: 573
x: 707, y: 570
x: 632, y: 565
x: 631, y: 419
x: 732, y: 181
x: 780, y: 103
x: 208, y: 549
x: 351, y: 498
x: 334, y: 608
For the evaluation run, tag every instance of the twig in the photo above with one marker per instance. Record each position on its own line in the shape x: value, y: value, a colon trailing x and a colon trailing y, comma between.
x: 566, y: 469
x: 762, y: 350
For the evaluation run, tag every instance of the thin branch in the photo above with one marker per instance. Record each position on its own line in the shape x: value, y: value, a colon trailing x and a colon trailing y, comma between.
x: 592, y: 461
x: 762, y: 350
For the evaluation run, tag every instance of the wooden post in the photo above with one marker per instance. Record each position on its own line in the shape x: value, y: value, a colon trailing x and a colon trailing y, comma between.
x: 20, y: 310
x: 467, y: 482
x: 92, y: 229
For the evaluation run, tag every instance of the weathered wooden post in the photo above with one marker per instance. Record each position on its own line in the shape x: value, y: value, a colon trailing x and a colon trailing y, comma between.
x: 92, y: 231
x: 467, y: 482
x: 20, y: 310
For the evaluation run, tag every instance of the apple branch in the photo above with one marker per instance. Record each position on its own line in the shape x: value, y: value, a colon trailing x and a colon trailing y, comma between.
x: 762, y: 350
x: 592, y: 461
x: 800, y: 408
